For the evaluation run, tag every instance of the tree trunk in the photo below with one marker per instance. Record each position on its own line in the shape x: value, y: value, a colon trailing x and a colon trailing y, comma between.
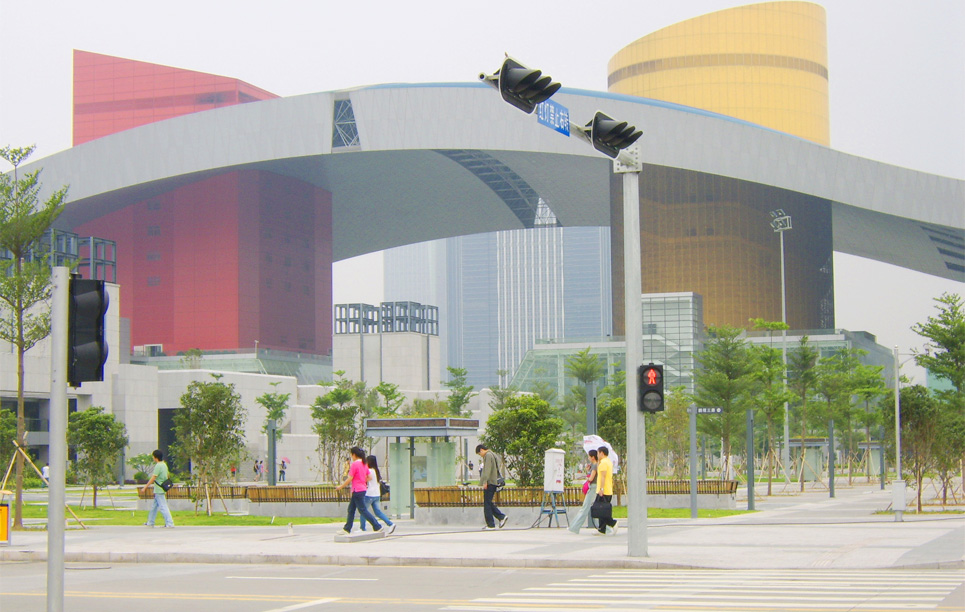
x: 804, y: 427
x: 770, y: 454
x: 21, y: 427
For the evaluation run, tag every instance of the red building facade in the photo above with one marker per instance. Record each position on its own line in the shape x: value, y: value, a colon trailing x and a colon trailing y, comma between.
x: 112, y: 94
x: 241, y: 258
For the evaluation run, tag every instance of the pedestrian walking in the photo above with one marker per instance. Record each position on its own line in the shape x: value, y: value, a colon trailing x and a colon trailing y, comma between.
x: 281, y: 471
x: 373, y: 494
x: 589, y: 494
x: 490, y: 470
x: 604, y: 491
x: 262, y: 470
x: 257, y: 471
x: 45, y: 472
x: 159, y: 475
x: 358, y: 476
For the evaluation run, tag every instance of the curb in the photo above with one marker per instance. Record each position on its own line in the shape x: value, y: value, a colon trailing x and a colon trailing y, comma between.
x: 14, y: 556
x: 18, y: 556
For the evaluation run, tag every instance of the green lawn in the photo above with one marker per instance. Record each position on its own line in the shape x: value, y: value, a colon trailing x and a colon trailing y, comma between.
x: 108, y: 516
x: 621, y: 512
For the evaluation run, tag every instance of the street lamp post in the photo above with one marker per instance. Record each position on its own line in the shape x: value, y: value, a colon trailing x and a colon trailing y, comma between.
x: 898, y: 485
x: 781, y: 222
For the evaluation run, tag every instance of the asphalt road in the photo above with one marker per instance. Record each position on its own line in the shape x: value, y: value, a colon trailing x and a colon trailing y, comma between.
x: 284, y: 588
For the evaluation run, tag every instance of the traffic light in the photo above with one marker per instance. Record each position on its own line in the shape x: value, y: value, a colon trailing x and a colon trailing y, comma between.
x: 650, y: 388
x: 86, y: 341
x: 609, y: 136
x: 522, y: 87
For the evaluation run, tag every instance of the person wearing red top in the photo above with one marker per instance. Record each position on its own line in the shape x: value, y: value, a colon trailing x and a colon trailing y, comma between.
x: 358, y: 475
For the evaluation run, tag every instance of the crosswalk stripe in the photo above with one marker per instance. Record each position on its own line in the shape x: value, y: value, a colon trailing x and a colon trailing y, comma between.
x: 731, y: 590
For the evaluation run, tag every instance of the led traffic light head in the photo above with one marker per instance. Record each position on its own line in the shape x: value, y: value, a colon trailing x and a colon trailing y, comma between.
x: 522, y: 87
x: 609, y: 136
x: 86, y: 340
x: 650, y: 388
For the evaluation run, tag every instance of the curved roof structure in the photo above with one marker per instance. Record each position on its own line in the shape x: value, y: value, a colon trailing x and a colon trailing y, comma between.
x: 413, y: 162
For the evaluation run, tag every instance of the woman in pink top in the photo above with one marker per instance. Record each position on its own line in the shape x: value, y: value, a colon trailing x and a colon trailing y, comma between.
x: 358, y: 475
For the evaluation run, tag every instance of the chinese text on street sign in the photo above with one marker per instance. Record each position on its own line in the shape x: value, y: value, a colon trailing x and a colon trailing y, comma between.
x: 554, y: 115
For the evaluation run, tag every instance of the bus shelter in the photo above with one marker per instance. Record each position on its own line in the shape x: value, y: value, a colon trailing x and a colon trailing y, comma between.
x: 430, y: 463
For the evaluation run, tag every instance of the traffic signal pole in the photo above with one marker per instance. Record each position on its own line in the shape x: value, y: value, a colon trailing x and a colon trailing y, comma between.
x: 60, y: 296
x: 636, y: 425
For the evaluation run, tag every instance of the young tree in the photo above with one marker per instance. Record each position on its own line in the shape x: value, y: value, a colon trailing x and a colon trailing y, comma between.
x: 24, y: 281
x: 769, y: 399
x: 210, y: 432
x: 612, y: 424
x: 338, y: 417
x: 801, y: 378
x: 837, y: 384
x: 522, y: 432
x: 586, y: 369
x: 946, y: 333
x: 460, y: 391
x: 275, y: 405
x: 501, y: 394
x: 391, y: 399
x: 668, y: 434
x: 725, y: 379
x: 869, y: 388
x: 920, y: 432
x: 98, y: 439
x: 8, y: 433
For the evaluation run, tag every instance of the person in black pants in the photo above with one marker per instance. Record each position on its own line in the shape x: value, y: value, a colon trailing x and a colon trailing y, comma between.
x: 492, y: 469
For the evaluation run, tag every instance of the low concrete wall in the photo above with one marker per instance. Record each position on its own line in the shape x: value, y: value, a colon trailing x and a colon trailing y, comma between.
x: 317, y: 509
x: 705, y: 501
x: 235, y: 506
x: 527, y: 515
x: 473, y: 515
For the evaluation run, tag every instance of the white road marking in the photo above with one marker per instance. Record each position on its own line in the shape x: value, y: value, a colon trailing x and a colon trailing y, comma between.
x: 301, y: 578
x: 302, y: 606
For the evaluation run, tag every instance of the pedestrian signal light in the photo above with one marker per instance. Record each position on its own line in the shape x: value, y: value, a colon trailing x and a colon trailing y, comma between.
x: 650, y: 388
x: 86, y: 339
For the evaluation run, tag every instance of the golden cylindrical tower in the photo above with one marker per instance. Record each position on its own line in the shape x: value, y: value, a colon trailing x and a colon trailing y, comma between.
x: 764, y: 63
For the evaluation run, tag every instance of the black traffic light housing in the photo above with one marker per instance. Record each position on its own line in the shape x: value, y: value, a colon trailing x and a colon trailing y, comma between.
x: 609, y: 136
x: 650, y: 388
x: 86, y: 340
x: 522, y: 87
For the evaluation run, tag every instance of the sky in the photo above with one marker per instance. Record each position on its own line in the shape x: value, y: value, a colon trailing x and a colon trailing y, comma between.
x: 896, y: 72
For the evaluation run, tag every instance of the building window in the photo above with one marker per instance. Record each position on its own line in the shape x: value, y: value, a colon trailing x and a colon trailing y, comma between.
x: 268, y: 258
x: 287, y: 262
x: 154, y: 230
x: 344, y: 133
x: 153, y: 205
x: 153, y: 281
x: 153, y: 256
x: 268, y: 283
x: 288, y: 286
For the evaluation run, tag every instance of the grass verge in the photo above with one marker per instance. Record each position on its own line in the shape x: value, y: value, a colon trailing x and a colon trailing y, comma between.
x: 185, y: 518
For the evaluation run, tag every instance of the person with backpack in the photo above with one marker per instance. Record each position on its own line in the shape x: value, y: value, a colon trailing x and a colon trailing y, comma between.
x: 491, y: 479
x: 373, y: 494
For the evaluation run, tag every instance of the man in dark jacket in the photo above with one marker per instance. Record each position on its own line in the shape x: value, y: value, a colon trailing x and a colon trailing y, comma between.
x: 492, y: 469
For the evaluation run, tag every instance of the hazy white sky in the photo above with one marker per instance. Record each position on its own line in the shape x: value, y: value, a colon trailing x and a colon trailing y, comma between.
x: 897, y: 80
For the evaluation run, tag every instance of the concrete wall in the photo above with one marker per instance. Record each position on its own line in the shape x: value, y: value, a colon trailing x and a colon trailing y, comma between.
x: 407, y: 359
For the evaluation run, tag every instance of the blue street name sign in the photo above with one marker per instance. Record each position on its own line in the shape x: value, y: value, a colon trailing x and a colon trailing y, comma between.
x: 554, y: 115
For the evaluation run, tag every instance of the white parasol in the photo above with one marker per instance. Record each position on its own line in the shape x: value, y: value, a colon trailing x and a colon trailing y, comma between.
x: 593, y: 442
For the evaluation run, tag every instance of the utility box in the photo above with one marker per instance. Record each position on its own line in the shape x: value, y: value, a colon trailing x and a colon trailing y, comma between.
x: 554, y: 471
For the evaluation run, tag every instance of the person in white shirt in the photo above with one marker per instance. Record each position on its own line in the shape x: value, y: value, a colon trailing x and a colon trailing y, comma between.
x: 374, y: 493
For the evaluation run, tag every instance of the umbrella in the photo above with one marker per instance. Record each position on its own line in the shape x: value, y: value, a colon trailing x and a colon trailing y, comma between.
x: 286, y: 459
x: 593, y: 442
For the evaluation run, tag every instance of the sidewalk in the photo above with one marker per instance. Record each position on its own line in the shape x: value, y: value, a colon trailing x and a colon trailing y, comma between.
x: 807, y: 531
